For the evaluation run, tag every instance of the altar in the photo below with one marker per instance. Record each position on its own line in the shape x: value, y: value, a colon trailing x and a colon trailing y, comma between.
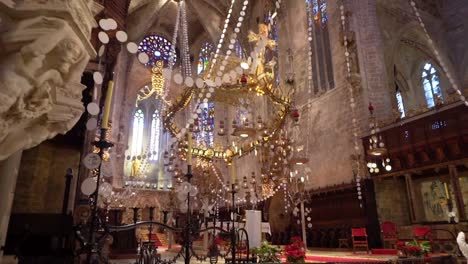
x: 226, y: 225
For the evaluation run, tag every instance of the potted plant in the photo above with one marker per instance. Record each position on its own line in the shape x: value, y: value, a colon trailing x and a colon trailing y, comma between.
x: 267, y: 253
x: 414, y: 248
x: 418, y: 248
x: 295, y: 252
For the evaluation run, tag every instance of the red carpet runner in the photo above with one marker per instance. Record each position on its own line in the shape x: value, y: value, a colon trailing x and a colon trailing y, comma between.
x: 344, y: 259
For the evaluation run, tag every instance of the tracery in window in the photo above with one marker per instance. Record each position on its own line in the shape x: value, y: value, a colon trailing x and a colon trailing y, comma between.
x: 322, y: 70
x: 157, y: 48
x: 319, y: 10
x: 400, y: 105
x: 206, y: 125
x: 238, y: 49
x: 431, y: 85
x: 155, y: 135
x: 204, y: 57
x: 138, y: 131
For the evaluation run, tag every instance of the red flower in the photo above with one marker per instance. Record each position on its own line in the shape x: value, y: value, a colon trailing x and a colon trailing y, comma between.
x: 414, y: 249
x: 218, y: 241
x: 400, y: 244
x: 295, y: 251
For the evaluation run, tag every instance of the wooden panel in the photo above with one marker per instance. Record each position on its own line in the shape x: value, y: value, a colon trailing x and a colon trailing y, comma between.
x: 432, y: 139
x: 333, y: 215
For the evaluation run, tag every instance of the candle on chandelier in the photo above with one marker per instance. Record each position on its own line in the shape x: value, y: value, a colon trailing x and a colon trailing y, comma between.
x: 233, y: 173
x: 189, y: 151
x: 107, y: 104
x: 446, y: 191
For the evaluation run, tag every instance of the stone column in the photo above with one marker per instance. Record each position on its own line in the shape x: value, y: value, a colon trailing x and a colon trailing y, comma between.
x: 45, y: 49
x: 410, y: 194
x: 370, y: 47
x: 8, y: 175
x: 303, y: 226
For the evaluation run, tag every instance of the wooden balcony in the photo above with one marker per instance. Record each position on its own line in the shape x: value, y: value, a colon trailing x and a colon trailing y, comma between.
x: 435, y: 138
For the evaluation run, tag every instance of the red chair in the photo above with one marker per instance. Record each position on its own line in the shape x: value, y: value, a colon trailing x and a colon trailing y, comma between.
x: 422, y: 233
x: 359, y: 237
x: 389, y: 234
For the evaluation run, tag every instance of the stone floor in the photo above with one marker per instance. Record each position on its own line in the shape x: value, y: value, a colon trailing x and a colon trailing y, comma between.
x: 315, y: 253
x: 166, y: 254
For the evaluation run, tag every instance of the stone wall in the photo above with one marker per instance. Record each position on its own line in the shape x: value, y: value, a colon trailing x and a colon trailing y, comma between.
x: 456, y: 21
x: 327, y: 120
x: 41, y: 178
x: 392, y: 200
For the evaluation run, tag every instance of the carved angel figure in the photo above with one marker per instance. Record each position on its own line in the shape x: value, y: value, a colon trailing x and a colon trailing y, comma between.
x: 258, y: 66
x: 43, y: 59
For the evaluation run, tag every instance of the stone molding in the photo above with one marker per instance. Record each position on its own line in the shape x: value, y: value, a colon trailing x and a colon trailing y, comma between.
x: 45, y: 50
x: 78, y: 14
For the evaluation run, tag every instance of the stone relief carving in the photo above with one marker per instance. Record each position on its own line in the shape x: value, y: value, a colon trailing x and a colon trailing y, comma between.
x: 79, y: 10
x: 355, y: 78
x: 40, y: 72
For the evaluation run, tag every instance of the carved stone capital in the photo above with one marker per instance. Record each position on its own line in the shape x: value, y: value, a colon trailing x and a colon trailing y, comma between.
x: 77, y: 13
x: 45, y: 49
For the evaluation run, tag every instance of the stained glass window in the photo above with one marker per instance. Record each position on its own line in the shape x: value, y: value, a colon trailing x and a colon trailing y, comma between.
x: 155, y: 135
x: 431, y: 85
x: 206, y: 125
x: 319, y: 10
x: 204, y: 56
x: 157, y: 48
x: 322, y: 70
x: 238, y: 49
x: 400, y: 105
x: 137, y: 135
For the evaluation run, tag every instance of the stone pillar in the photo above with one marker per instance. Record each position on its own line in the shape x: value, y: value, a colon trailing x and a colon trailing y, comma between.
x: 369, y: 41
x: 8, y: 176
x: 410, y: 194
x: 303, y: 226
x: 45, y: 49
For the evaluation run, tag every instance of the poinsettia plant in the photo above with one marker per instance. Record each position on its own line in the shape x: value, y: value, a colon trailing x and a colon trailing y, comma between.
x: 414, y: 248
x: 295, y: 252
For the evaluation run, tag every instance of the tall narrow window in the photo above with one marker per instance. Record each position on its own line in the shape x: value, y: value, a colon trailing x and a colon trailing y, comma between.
x: 431, y: 85
x: 322, y: 70
x: 155, y: 135
x: 206, y: 125
x: 238, y: 49
x: 137, y: 135
x: 204, y: 57
x: 400, y: 105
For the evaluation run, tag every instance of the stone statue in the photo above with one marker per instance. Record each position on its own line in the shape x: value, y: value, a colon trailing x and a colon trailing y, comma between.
x: 135, y: 171
x: 355, y: 78
x: 40, y: 90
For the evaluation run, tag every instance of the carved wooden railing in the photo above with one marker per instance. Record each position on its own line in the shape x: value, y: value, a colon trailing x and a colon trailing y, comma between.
x: 436, y: 137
